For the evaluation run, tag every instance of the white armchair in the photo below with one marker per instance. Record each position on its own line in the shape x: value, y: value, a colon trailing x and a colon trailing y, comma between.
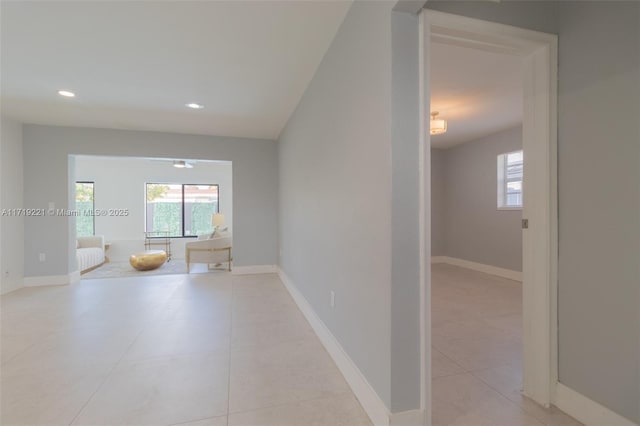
x: 209, y: 250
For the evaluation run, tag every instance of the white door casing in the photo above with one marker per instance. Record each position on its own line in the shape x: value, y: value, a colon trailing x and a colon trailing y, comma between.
x: 540, y: 241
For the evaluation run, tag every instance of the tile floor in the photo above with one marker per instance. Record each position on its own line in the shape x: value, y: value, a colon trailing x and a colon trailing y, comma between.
x: 477, y: 353
x: 200, y: 349
x: 217, y: 349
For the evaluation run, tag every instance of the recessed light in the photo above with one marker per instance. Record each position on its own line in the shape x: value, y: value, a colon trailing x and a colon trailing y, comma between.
x: 66, y: 93
x: 195, y: 106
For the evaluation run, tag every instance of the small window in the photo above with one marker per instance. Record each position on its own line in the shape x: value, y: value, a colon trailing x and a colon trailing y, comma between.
x: 85, y: 220
x: 510, y: 180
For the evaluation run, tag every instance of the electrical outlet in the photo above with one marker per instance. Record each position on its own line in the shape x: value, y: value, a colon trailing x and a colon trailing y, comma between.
x: 42, y: 257
x: 333, y: 299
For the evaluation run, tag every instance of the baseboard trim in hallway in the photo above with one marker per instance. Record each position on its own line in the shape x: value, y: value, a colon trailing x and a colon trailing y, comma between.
x: 587, y: 411
x: 407, y: 418
x: 480, y: 267
x: 51, y: 280
x: 254, y: 269
x: 369, y: 399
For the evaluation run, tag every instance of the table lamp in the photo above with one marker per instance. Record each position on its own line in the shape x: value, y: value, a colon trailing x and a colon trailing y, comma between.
x: 217, y: 220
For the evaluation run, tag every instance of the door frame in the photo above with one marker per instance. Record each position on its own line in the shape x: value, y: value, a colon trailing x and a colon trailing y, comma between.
x: 539, y: 53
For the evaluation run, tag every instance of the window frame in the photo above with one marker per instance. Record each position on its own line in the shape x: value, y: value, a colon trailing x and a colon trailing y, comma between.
x: 93, y: 207
x: 182, y: 205
x: 503, y: 181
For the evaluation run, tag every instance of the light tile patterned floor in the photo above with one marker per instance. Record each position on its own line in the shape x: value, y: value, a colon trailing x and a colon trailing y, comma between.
x: 477, y: 353
x: 200, y: 349
x: 217, y: 349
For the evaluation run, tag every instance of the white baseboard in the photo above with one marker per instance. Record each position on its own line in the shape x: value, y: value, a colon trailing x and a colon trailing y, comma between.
x: 407, y: 418
x: 587, y: 411
x: 46, y: 280
x: 15, y: 285
x: 480, y: 267
x: 74, y: 277
x: 371, y: 402
x: 254, y: 269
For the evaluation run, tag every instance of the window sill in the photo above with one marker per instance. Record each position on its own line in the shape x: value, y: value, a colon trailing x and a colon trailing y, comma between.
x: 509, y: 208
x: 173, y: 238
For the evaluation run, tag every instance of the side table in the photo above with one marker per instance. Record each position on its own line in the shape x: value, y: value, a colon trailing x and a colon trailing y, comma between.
x: 107, y: 246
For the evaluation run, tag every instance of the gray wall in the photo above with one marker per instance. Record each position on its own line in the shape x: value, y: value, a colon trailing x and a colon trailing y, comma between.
x: 48, y: 173
x: 11, y: 187
x: 599, y: 189
x: 405, y: 207
x: 335, y: 191
x: 438, y: 205
x: 474, y: 228
x: 337, y: 169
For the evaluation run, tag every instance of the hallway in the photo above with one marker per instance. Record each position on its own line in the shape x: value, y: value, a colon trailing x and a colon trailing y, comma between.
x: 203, y: 349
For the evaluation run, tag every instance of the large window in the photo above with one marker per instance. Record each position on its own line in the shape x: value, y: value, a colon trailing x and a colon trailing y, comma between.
x: 510, y: 180
x: 85, y: 220
x: 180, y: 210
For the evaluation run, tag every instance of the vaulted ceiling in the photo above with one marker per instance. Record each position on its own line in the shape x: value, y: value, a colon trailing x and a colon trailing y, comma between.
x: 134, y: 65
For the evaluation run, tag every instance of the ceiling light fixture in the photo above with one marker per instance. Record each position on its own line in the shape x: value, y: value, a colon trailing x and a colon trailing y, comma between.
x: 181, y: 164
x: 437, y: 126
x: 66, y: 93
x: 194, y: 106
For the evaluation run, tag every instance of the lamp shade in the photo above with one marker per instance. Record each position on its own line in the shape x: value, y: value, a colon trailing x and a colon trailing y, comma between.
x: 217, y: 219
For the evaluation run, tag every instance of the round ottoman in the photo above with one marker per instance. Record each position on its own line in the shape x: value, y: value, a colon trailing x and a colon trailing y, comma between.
x: 148, y: 259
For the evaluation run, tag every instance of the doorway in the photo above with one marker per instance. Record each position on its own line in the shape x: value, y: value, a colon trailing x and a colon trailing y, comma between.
x: 538, y: 53
x: 476, y: 239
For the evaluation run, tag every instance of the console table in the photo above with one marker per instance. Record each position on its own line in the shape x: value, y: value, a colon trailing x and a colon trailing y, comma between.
x: 158, y: 239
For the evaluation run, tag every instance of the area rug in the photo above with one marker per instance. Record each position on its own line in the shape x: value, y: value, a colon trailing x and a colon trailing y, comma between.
x: 124, y: 269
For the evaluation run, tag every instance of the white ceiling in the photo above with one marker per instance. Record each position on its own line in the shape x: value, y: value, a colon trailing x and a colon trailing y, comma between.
x: 477, y: 92
x: 134, y: 65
